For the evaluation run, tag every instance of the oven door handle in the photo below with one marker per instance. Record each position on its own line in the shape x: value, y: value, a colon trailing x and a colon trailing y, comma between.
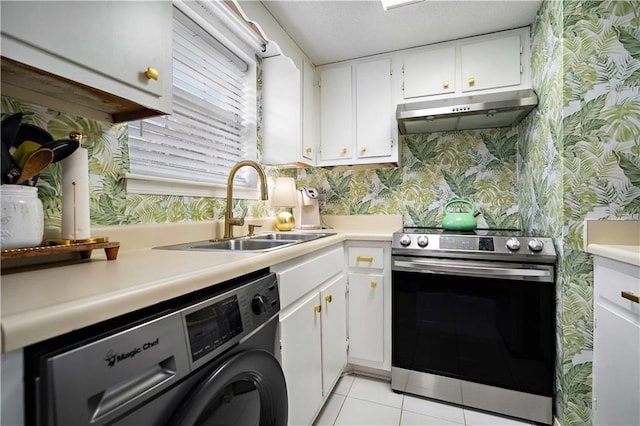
x: 435, y: 267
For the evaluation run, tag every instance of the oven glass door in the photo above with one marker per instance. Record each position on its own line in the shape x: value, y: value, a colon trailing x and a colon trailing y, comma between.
x: 498, y: 331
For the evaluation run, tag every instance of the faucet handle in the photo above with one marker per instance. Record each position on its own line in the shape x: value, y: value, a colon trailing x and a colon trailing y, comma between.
x: 252, y: 229
x: 237, y: 221
x: 244, y: 213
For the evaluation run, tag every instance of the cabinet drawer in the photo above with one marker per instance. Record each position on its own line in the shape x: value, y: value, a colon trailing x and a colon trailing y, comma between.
x: 366, y: 257
x: 612, y: 279
x: 298, y: 277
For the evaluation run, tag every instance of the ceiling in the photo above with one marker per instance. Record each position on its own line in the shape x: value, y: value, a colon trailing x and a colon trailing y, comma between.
x: 330, y: 31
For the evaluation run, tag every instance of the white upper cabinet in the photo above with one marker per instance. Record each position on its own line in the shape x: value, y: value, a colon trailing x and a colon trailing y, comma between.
x: 336, y: 115
x: 490, y: 64
x: 288, y: 123
x: 430, y: 72
x: 118, y: 54
x: 309, y: 114
x: 374, y: 114
x: 357, y: 122
x: 479, y: 64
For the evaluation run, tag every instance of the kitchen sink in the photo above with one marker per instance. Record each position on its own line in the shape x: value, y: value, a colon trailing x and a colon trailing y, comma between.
x: 256, y: 243
x: 288, y: 236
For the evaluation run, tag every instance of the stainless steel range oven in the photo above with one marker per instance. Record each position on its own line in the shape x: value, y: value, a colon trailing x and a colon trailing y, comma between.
x: 473, y: 319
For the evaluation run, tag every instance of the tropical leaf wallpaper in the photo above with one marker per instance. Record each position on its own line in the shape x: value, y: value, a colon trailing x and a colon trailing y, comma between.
x: 480, y: 166
x: 576, y: 156
x: 600, y: 156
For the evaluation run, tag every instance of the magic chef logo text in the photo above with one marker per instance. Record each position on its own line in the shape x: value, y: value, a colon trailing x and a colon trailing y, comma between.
x: 113, y: 358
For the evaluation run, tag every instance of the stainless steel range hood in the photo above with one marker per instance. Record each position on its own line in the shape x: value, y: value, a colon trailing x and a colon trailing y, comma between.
x: 466, y: 112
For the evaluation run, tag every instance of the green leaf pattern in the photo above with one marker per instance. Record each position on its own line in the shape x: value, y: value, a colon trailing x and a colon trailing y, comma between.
x: 576, y: 156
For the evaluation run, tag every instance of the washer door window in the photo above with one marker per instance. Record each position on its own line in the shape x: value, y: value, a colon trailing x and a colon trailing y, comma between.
x: 246, y: 389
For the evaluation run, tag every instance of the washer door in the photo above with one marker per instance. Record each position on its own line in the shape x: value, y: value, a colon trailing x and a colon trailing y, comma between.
x: 247, y: 388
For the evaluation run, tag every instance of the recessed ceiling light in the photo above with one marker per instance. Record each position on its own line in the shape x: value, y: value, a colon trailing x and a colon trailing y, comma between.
x: 390, y: 4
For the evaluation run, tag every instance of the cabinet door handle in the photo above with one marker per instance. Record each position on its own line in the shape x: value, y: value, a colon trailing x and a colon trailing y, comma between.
x: 472, y: 81
x: 317, y: 308
x: 308, y: 150
x: 151, y: 73
x: 374, y: 284
x: 364, y: 259
x: 630, y: 296
x: 344, y: 150
x: 445, y: 84
x: 328, y: 299
x: 363, y: 149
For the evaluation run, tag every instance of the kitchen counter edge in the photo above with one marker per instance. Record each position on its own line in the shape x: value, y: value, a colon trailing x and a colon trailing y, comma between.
x: 194, y: 271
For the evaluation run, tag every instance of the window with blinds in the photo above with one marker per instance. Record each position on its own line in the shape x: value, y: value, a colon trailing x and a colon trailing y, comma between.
x: 191, y: 151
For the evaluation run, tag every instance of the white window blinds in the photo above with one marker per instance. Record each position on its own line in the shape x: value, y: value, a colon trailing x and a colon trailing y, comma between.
x: 213, y: 115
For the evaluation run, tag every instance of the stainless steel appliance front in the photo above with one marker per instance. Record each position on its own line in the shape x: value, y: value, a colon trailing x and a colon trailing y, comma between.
x: 204, y: 357
x: 473, y: 321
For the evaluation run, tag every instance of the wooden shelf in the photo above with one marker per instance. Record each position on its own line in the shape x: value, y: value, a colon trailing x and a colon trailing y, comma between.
x: 84, y: 249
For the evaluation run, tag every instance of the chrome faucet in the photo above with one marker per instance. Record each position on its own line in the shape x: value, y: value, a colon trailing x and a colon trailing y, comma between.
x: 229, y: 220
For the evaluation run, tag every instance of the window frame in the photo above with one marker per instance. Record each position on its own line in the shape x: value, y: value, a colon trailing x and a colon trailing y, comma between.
x: 216, y: 19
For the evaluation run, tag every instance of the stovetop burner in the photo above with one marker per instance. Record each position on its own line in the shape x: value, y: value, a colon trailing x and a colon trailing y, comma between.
x: 504, y: 232
x: 482, y: 243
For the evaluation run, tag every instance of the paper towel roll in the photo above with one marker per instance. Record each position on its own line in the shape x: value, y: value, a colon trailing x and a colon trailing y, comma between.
x: 76, y: 222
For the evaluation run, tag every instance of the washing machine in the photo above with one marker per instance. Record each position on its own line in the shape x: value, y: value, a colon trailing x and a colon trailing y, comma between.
x: 203, y: 359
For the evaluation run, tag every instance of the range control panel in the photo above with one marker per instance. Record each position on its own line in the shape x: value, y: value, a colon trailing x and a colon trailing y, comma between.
x: 474, y: 246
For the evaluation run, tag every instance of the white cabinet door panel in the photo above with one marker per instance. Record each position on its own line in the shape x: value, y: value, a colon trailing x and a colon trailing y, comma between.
x: 301, y: 359
x: 616, y: 369
x: 334, y: 332
x: 491, y: 63
x: 336, y: 112
x: 308, y: 114
x: 430, y: 72
x: 373, y: 109
x: 616, y: 343
x: 100, y: 39
x: 281, y: 105
x: 366, y: 317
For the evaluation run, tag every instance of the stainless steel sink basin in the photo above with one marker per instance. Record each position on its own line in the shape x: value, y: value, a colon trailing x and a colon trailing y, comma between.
x: 260, y: 242
x: 289, y: 236
x: 240, y: 244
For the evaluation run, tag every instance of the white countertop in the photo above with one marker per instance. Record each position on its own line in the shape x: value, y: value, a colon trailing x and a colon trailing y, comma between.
x: 45, y: 302
x: 622, y: 253
x: 614, y: 239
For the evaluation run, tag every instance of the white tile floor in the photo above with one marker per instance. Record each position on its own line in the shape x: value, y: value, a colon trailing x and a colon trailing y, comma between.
x: 362, y: 400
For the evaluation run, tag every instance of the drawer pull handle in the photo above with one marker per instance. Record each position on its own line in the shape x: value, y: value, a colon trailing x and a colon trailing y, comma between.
x: 472, y: 81
x: 344, y: 150
x: 374, y: 284
x: 445, y: 84
x: 328, y: 298
x: 317, y: 308
x: 151, y: 73
x: 364, y: 259
x: 630, y: 296
x: 308, y: 150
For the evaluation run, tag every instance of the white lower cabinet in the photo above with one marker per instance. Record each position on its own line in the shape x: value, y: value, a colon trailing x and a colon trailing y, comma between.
x: 301, y: 353
x: 313, y: 331
x: 366, y: 317
x: 369, y: 304
x: 616, y: 345
x: 334, y: 332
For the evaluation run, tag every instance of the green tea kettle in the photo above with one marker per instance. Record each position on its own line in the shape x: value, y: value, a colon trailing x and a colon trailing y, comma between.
x: 460, y: 215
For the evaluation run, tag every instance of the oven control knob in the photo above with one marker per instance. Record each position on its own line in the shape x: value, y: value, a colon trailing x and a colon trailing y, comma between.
x: 259, y: 304
x: 536, y: 245
x: 423, y: 240
x: 513, y: 244
x: 405, y: 240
